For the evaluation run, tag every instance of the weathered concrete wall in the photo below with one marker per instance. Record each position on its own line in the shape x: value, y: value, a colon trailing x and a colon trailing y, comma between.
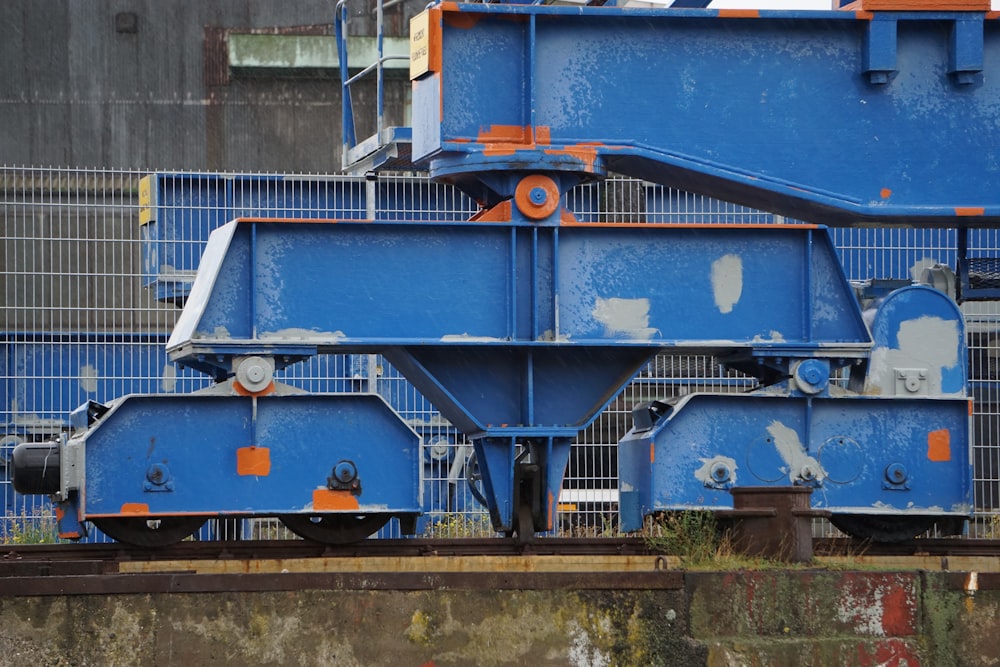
x: 144, y: 84
x: 724, y: 618
x: 351, y: 628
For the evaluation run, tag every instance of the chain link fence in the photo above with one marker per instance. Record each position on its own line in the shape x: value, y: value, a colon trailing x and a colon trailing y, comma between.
x: 91, y: 295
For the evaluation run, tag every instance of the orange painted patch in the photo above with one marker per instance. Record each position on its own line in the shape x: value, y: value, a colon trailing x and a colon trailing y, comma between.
x: 499, y: 213
x: 885, y: 193
x: 739, y: 13
x: 966, y: 211
x: 325, y: 500
x: 134, y: 508
x: 243, y: 391
x: 551, y: 513
x: 254, y: 461
x: 505, y: 139
x: 522, y: 196
x: 582, y: 152
x: 516, y: 134
x: 652, y: 453
x: 457, y: 19
x: 566, y: 217
x: 499, y: 149
x: 939, y: 445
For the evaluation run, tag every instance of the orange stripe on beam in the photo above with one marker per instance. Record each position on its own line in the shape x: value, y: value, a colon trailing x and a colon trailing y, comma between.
x: 327, y: 500
x: 739, y: 13
x: 969, y: 211
x: 134, y: 508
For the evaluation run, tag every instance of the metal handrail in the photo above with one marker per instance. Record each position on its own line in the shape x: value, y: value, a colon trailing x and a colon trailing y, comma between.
x: 347, y: 80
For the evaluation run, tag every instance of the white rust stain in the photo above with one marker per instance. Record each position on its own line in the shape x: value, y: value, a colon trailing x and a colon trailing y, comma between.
x: 927, y: 342
x: 88, y: 378
x: 550, y: 336
x: 704, y: 473
x: 168, y: 382
x: 466, y: 338
x: 793, y: 453
x: 774, y: 337
x: 310, y: 335
x: 727, y: 282
x: 628, y: 317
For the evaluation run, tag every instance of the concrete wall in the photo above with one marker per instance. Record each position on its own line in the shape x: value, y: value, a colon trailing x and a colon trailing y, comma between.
x: 145, y: 84
x: 718, y: 619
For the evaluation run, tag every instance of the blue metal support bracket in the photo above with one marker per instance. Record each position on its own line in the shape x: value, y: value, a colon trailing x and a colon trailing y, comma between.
x: 835, y: 117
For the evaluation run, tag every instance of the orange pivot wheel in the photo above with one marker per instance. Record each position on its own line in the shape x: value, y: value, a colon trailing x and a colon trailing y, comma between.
x: 537, y: 196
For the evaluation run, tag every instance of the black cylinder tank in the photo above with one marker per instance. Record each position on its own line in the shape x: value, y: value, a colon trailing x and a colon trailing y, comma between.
x: 35, y: 468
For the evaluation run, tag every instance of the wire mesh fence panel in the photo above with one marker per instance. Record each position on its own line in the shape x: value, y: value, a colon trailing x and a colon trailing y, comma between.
x: 94, y: 274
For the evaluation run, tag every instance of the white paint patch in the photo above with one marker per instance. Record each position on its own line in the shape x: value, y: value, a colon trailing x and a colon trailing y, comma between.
x: 727, y: 282
x: 582, y: 652
x: 775, y: 337
x: 466, y: 338
x: 704, y: 473
x: 550, y: 336
x: 88, y: 378
x: 168, y: 382
x: 927, y: 342
x: 917, y: 270
x: 309, y: 335
x: 628, y: 317
x: 793, y: 453
x: 864, y: 610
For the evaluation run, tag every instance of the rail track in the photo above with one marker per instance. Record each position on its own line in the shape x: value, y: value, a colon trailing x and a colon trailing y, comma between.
x: 419, y: 564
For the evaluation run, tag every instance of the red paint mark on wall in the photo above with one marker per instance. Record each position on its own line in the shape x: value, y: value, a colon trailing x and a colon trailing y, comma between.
x: 939, y: 445
x: 897, y: 613
x: 885, y: 193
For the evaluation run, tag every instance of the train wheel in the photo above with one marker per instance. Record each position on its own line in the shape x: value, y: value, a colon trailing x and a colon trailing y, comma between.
x: 145, y: 532
x: 882, y: 528
x: 334, y: 528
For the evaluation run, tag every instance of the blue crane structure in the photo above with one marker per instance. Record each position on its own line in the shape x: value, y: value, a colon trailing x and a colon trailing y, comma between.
x: 521, y: 324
